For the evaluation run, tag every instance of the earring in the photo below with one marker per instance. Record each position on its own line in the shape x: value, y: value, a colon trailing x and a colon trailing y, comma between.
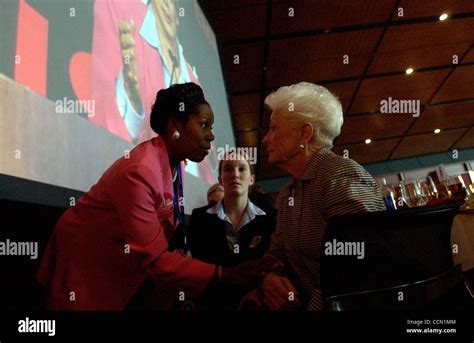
x: 301, y: 146
x: 176, y: 135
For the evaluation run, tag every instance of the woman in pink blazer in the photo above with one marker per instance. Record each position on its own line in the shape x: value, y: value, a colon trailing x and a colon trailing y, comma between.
x: 116, y: 237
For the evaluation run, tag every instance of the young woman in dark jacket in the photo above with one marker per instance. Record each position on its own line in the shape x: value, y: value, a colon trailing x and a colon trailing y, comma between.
x: 232, y: 231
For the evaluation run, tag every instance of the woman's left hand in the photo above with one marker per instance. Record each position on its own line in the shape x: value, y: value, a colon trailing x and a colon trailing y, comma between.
x: 251, y: 300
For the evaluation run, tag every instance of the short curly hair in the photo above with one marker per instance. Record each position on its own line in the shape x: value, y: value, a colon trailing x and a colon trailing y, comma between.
x: 307, y: 102
x: 177, y: 102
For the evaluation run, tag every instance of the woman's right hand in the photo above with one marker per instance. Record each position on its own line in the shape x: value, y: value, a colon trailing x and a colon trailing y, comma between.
x: 250, y: 270
x: 279, y: 293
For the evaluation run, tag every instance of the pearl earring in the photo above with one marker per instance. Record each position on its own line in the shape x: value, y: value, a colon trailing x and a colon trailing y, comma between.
x: 301, y: 146
x: 176, y: 135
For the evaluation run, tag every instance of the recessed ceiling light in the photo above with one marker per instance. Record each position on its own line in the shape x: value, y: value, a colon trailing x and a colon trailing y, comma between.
x: 409, y: 71
x: 368, y: 141
x: 443, y: 16
x: 437, y: 131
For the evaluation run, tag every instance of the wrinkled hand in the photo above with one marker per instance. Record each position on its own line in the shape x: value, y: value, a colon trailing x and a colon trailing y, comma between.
x: 249, y: 270
x: 279, y: 293
x: 129, y: 63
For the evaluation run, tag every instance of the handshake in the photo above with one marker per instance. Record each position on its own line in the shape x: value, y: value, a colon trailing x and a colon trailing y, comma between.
x: 247, y: 271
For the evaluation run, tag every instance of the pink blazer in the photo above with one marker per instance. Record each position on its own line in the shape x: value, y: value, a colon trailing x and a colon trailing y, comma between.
x: 102, y: 249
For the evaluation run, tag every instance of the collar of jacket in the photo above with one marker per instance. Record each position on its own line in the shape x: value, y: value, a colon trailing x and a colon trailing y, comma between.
x: 309, y: 171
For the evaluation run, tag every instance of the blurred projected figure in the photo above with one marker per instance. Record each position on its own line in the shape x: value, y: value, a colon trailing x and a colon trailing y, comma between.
x: 215, y: 193
x: 136, y: 52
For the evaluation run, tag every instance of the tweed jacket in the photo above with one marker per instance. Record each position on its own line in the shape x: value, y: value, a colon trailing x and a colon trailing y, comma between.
x: 329, y: 185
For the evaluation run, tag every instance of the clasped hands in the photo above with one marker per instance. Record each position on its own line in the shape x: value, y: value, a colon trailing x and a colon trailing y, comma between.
x: 275, y: 293
x: 249, y: 270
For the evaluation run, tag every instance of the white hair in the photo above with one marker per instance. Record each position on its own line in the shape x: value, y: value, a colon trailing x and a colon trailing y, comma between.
x: 306, y: 102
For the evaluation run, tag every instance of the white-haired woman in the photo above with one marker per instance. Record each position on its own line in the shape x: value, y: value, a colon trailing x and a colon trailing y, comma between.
x: 305, y: 120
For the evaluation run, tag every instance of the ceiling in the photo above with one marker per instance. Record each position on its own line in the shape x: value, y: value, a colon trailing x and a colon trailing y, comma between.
x: 277, y: 43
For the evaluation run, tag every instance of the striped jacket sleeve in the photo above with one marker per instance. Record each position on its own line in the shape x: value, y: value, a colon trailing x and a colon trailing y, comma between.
x: 349, y: 189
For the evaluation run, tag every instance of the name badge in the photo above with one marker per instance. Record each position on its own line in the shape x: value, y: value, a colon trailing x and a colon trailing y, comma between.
x: 167, y: 206
x: 255, y: 241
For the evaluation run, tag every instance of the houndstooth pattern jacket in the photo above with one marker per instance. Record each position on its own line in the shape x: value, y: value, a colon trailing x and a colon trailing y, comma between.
x: 330, y: 185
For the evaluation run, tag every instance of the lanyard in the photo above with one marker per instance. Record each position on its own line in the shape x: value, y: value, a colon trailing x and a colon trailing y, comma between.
x: 178, y: 202
x: 178, y: 198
